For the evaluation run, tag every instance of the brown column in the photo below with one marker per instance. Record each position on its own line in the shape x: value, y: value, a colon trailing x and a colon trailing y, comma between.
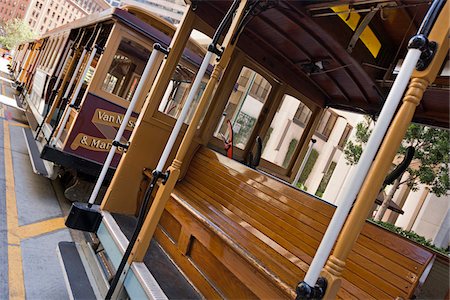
x: 128, y: 168
x: 164, y: 191
x: 374, y: 180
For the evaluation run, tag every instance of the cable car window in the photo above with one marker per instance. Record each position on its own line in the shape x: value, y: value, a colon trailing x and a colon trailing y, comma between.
x: 127, y: 67
x: 177, y: 93
x: 246, y: 101
x: 285, y: 131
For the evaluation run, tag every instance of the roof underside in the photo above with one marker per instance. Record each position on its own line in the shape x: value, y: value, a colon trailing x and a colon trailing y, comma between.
x: 306, y: 43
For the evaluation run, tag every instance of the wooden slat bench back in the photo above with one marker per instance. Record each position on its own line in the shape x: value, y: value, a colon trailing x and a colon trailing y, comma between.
x: 238, y: 233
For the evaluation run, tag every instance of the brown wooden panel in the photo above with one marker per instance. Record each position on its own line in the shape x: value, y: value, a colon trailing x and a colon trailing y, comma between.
x: 239, y: 262
x: 382, y: 274
x: 354, y: 291
x: 261, y: 216
x: 275, y: 185
x: 171, y: 226
x: 217, y: 273
x: 374, y: 258
x: 398, y: 244
x: 315, y: 220
x: 266, y: 255
x: 390, y: 254
x: 197, y: 279
x: 265, y: 233
x: 368, y: 281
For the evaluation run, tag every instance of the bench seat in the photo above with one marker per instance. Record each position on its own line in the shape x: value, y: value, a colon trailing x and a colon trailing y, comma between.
x: 237, y: 233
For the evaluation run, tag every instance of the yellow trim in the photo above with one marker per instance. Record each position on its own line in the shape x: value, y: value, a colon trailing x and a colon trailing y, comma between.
x: 32, y: 230
x: 19, y: 125
x: 352, y: 20
x: 371, y: 41
x: 15, y: 270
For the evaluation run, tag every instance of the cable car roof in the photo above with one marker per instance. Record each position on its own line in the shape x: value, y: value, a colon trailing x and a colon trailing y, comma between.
x: 342, y: 54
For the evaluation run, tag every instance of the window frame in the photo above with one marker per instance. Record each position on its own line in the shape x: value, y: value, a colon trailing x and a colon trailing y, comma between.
x: 217, y: 143
x: 285, y: 173
x: 117, y: 34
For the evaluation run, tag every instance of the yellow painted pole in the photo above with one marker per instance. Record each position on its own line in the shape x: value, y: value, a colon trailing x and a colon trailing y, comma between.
x: 374, y: 180
x: 164, y: 191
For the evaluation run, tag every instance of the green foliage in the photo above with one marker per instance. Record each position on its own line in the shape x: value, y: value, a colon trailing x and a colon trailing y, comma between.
x: 411, y: 235
x: 246, y: 124
x: 17, y: 31
x: 302, y: 186
x: 325, y: 179
x: 289, y: 153
x: 309, y: 166
x: 353, y: 150
x: 431, y: 158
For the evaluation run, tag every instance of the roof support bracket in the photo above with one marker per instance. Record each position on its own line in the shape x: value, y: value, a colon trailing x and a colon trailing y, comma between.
x: 364, y: 23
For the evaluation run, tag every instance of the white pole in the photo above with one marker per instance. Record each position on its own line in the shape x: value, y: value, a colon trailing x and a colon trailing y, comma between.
x: 155, y: 56
x: 350, y: 192
x: 75, y: 95
x: 69, y: 87
x: 176, y: 129
x: 303, y: 165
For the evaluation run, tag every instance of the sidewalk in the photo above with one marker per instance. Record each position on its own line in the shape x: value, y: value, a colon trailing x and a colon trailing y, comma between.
x: 31, y: 217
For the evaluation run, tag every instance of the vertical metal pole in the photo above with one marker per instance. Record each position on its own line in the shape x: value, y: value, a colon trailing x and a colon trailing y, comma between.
x: 66, y: 113
x: 192, y: 93
x: 155, y: 56
x: 69, y: 87
x: 347, y: 197
x: 69, y: 52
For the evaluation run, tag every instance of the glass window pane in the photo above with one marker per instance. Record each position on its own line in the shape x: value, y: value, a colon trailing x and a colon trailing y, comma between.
x: 247, y: 99
x: 177, y: 93
x: 127, y: 67
x: 285, y: 131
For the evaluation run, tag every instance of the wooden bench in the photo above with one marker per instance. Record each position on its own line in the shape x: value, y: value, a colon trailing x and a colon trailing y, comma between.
x: 237, y: 233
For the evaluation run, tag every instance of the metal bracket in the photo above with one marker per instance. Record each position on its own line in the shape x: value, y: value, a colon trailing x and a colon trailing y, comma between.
x: 74, y: 106
x: 99, y: 48
x: 158, y: 47
x: 306, y: 292
x: 119, y: 144
x: 254, y: 9
x: 361, y: 27
x: 164, y: 176
x: 428, y: 49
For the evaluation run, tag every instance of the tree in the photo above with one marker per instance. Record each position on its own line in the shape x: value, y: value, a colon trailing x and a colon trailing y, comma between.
x: 430, y: 164
x: 16, y: 31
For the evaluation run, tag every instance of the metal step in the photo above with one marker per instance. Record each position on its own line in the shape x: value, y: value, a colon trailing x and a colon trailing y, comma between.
x: 36, y: 161
x: 77, y: 280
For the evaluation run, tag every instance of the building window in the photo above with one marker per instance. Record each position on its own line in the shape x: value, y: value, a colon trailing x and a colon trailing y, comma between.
x: 345, y: 135
x: 302, y: 114
x: 326, y: 124
x: 281, y: 144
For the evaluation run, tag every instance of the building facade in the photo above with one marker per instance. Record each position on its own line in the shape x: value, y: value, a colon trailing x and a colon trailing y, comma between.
x: 11, y: 9
x: 171, y: 10
x: 44, y: 15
